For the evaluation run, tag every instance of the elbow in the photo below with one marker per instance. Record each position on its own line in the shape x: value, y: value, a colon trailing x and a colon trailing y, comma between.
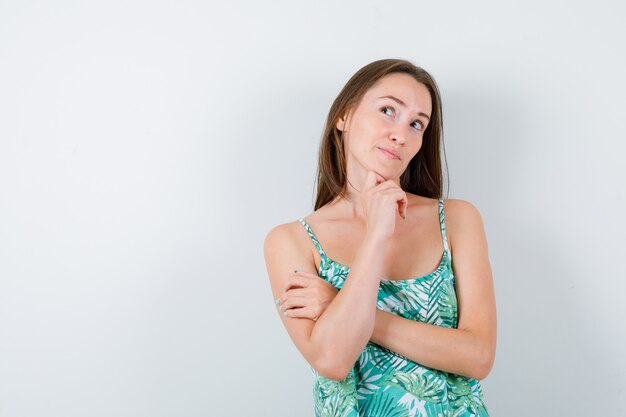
x: 484, y: 363
x: 330, y: 369
x: 333, y: 374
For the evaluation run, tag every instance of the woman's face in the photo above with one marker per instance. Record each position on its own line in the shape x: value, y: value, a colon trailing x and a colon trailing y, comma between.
x: 385, y: 131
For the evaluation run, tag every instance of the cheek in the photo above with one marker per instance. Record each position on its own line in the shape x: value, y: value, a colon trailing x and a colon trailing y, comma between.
x: 417, y: 144
x: 365, y: 130
x: 381, y: 122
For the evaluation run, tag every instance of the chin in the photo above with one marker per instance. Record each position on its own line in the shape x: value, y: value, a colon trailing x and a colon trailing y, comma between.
x: 386, y: 174
x: 384, y: 171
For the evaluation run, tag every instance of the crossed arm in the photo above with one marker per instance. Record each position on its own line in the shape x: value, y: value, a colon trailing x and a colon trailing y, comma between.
x: 460, y: 351
x: 467, y: 350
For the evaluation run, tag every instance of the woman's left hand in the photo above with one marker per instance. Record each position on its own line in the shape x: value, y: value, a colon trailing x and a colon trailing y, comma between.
x: 306, y: 296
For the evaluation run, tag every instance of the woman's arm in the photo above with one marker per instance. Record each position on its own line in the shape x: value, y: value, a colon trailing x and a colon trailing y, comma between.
x: 470, y: 349
x: 338, y: 337
x: 467, y: 350
x: 333, y: 343
x: 460, y: 351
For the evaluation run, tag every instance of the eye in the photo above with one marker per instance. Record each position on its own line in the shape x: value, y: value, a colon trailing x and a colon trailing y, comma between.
x: 418, y: 125
x: 385, y: 108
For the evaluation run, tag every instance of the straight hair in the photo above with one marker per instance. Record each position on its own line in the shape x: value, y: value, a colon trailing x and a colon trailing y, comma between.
x: 423, y: 175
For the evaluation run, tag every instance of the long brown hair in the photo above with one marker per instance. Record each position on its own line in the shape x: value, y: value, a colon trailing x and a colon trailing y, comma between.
x: 423, y: 175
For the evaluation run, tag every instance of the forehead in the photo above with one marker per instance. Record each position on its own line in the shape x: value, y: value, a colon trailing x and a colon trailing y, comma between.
x: 404, y: 87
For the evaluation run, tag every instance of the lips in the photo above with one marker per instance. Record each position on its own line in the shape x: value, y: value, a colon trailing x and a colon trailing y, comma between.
x: 389, y: 152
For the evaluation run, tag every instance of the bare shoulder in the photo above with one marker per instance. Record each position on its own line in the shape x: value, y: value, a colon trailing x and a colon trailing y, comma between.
x: 278, y: 236
x: 286, y: 247
x: 286, y: 238
x: 456, y: 208
x: 463, y: 220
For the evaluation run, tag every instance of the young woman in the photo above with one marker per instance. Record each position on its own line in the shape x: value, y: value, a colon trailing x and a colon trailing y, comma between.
x: 366, y: 285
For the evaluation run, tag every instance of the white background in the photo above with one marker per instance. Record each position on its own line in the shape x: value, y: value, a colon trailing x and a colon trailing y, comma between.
x: 146, y: 148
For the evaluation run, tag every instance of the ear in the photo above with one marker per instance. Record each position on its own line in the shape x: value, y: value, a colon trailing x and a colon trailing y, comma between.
x: 341, y: 123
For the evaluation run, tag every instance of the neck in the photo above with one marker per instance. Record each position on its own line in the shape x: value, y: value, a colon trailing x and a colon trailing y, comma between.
x: 351, y: 205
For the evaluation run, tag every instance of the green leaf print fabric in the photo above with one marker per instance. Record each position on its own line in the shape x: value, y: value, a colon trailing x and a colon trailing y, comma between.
x: 383, y: 383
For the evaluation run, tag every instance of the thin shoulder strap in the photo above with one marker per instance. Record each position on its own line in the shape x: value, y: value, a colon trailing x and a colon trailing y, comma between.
x: 442, y: 225
x: 313, y: 238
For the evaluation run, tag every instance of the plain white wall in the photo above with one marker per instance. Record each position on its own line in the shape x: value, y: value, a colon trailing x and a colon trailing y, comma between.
x: 146, y: 148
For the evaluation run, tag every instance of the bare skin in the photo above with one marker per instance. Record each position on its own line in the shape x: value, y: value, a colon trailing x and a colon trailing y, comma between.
x: 381, y: 231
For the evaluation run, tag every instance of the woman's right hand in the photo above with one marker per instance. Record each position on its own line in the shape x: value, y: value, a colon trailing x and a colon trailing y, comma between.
x: 383, y: 201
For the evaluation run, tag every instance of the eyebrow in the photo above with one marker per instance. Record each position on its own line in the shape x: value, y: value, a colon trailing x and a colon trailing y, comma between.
x: 396, y: 99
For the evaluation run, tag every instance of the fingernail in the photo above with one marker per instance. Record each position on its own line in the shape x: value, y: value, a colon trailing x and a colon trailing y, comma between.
x: 277, y: 301
x: 285, y: 313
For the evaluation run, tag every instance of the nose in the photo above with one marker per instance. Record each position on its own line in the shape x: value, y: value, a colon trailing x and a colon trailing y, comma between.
x: 398, y: 135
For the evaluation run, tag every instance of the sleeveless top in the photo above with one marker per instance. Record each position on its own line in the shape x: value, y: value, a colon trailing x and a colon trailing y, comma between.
x: 384, y: 383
